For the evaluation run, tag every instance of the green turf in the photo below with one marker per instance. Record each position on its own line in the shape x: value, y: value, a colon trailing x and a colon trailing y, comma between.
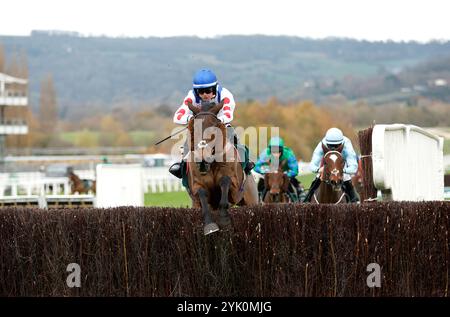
x: 74, y: 136
x: 168, y: 199
x: 142, y: 138
x: 139, y: 137
x: 306, y: 179
x: 181, y: 198
x: 446, y: 147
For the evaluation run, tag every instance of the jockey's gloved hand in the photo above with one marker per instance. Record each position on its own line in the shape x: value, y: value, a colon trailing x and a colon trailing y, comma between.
x: 264, y: 169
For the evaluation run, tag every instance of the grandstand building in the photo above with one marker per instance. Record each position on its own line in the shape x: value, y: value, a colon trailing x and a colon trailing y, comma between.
x: 13, y: 100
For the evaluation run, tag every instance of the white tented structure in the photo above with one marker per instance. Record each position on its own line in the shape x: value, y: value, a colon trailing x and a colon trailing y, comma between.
x: 119, y: 185
x: 407, y: 163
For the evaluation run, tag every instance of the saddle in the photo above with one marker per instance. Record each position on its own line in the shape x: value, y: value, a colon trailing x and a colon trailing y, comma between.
x: 87, y: 183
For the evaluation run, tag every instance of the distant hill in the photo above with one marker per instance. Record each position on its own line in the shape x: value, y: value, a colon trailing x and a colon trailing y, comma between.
x: 103, y: 71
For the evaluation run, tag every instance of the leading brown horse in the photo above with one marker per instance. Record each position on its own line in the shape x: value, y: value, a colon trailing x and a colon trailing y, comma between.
x: 216, y: 179
x: 332, y: 175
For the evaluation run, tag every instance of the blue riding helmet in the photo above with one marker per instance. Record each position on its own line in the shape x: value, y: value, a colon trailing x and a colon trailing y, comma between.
x: 204, y: 78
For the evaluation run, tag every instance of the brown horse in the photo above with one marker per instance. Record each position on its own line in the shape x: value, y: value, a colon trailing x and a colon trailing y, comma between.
x: 215, y: 175
x: 330, y: 189
x: 276, y: 184
x: 80, y: 186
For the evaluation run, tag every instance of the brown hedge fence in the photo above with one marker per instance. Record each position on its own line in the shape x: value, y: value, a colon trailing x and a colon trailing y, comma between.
x: 284, y: 250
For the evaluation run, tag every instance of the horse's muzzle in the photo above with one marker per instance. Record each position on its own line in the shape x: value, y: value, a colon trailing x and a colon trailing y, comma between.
x: 336, y: 185
x: 274, y: 191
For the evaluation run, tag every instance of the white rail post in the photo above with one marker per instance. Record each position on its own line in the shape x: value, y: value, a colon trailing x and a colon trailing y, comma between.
x: 14, y: 189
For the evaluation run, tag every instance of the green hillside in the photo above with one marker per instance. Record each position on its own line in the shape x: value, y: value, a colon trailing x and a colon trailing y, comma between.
x: 101, y: 71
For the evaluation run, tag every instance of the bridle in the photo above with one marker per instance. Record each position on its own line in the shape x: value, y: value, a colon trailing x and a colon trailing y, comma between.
x: 327, y: 173
x: 205, y: 166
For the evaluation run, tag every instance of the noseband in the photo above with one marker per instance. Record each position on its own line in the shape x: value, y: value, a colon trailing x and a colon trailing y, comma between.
x: 332, y: 172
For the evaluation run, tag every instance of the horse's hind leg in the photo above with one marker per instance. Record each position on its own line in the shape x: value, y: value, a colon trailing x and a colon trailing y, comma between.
x: 224, y: 204
x: 209, y: 226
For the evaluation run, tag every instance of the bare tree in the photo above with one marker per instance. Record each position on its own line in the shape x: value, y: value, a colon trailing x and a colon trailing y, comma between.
x: 48, y: 109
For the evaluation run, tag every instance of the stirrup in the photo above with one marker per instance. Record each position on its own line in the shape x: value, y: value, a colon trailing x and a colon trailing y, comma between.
x: 350, y: 192
x: 248, y: 168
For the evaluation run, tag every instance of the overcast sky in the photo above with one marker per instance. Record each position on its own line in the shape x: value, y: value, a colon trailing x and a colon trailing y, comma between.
x: 420, y: 20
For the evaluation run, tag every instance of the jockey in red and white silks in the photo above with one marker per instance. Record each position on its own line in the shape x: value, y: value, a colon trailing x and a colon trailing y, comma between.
x: 183, y: 114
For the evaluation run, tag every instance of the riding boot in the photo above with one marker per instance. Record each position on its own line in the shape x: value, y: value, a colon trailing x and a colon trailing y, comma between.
x: 248, y: 168
x: 350, y: 191
x: 261, y: 188
x: 297, y: 186
x: 175, y: 169
x: 314, y: 185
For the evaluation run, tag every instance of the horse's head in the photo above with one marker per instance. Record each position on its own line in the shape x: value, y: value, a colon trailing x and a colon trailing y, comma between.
x: 207, y: 134
x: 275, y: 181
x: 333, y: 169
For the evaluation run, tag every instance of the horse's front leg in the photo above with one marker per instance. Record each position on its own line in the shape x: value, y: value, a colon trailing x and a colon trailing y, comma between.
x: 209, y: 226
x: 224, y: 204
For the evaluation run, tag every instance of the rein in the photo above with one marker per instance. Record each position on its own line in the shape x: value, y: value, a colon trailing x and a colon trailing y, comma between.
x: 204, y: 113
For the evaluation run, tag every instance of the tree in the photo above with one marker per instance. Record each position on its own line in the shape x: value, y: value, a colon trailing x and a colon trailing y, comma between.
x: 110, y: 129
x: 48, y: 109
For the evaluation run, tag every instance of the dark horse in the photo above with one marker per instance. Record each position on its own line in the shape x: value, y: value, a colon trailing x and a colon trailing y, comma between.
x: 276, y: 185
x: 216, y: 179
x: 78, y: 185
x: 330, y: 189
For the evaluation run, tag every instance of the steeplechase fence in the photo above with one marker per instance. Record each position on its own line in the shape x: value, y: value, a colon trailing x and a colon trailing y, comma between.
x: 379, y: 249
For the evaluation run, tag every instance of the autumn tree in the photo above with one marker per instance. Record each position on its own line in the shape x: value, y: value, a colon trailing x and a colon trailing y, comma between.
x: 302, y: 125
x: 48, y: 108
x: 110, y: 129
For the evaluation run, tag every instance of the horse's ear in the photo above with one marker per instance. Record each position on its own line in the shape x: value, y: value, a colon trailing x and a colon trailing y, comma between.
x: 325, y: 148
x: 191, y: 107
x: 215, y: 109
x: 339, y: 149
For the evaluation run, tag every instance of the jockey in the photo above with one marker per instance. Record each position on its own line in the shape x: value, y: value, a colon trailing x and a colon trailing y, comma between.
x: 277, y: 150
x: 206, y: 89
x: 332, y: 140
